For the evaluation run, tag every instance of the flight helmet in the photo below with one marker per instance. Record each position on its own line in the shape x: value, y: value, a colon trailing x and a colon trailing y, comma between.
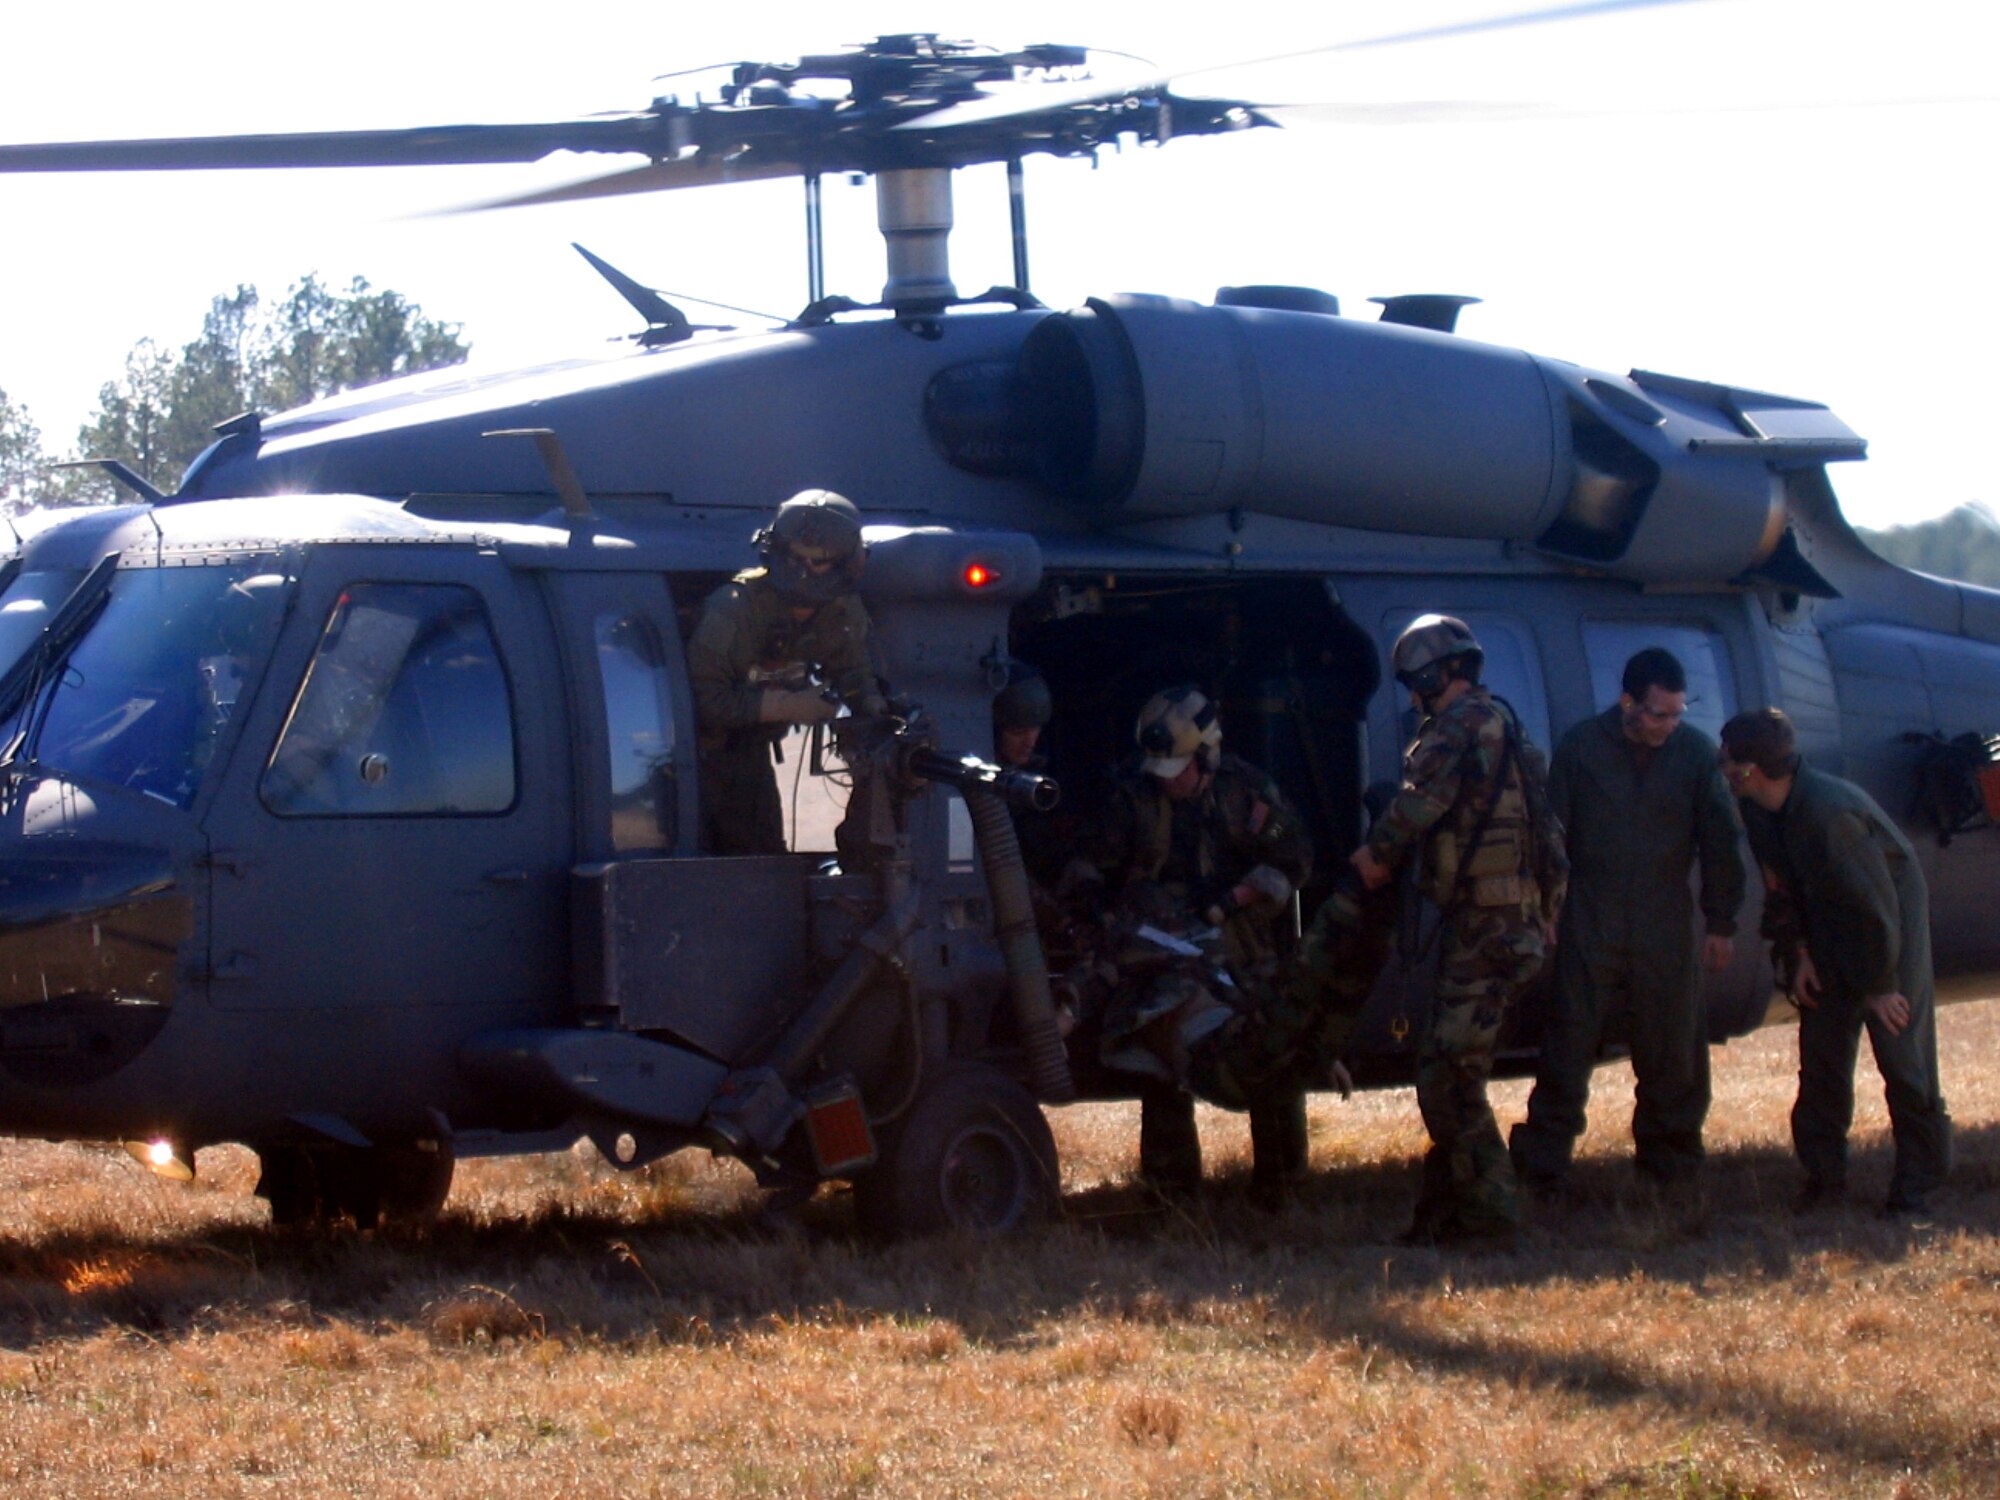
x: 813, y: 548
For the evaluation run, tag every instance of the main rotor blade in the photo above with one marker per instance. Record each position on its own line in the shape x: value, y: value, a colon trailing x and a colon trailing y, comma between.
x: 1029, y: 101
x: 1456, y: 111
x: 1409, y: 112
x: 433, y: 145
x: 705, y: 170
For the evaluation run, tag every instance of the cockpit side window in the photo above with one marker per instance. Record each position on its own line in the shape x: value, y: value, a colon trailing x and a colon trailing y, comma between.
x: 405, y: 710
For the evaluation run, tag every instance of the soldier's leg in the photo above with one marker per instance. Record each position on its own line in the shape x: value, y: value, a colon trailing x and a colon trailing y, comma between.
x: 1829, y: 1040
x: 1670, y: 1065
x: 740, y: 810
x: 1543, y: 1144
x: 1489, y: 954
x: 1917, y: 1116
x: 1468, y: 1179
x: 1169, y: 1145
x: 1278, y: 1147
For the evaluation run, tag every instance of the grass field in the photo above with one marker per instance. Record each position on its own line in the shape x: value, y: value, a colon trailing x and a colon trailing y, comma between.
x: 569, y: 1331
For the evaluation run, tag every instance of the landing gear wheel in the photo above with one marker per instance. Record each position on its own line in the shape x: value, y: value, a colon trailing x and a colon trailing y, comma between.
x: 289, y: 1182
x: 410, y: 1184
x: 974, y: 1155
x: 309, y: 1185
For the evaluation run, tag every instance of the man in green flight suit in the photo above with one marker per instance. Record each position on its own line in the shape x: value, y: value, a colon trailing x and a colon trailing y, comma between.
x: 1207, y: 838
x: 1641, y: 802
x: 783, y: 644
x: 1848, y: 916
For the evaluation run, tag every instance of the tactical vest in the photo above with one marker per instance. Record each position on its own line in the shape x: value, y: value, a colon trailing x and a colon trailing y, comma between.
x: 1480, y: 857
x: 1251, y: 939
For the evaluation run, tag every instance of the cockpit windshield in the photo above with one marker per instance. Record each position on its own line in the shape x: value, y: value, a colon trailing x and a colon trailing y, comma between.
x: 143, y: 698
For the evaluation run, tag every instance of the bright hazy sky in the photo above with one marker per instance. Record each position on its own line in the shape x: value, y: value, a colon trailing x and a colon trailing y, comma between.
x: 1780, y: 194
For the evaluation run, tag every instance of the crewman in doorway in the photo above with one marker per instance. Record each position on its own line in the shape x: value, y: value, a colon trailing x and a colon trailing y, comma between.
x: 781, y: 644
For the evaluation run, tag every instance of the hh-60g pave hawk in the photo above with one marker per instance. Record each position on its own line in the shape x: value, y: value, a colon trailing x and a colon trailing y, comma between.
x: 349, y: 798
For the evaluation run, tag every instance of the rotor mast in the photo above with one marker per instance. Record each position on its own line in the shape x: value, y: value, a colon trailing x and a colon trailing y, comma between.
x: 913, y: 211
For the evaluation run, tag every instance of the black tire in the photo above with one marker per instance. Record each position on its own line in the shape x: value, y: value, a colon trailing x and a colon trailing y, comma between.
x: 973, y: 1156
x: 288, y: 1180
x: 321, y: 1185
x: 410, y: 1185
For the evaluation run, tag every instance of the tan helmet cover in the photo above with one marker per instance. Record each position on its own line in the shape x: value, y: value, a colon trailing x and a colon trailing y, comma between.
x: 1174, y: 727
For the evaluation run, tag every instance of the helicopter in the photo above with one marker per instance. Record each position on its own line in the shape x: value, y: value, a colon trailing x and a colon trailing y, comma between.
x: 349, y: 796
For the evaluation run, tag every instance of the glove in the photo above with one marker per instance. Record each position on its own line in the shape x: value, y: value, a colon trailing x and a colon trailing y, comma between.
x: 794, y: 706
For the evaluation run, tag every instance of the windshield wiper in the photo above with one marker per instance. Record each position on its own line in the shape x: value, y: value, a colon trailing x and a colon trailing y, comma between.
x: 23, y: 683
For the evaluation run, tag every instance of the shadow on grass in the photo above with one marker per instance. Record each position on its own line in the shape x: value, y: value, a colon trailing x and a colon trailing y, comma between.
x: 1325, y: 1269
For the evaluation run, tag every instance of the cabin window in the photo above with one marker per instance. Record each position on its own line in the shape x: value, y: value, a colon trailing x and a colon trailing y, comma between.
x: 639, y: 732
x: 404, y: 710
x: 1703, y: 655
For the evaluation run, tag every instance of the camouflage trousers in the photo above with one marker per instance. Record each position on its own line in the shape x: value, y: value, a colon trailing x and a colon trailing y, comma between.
x: 740, y: 810
x: 1488, y: 955
x: 1299, y: 1026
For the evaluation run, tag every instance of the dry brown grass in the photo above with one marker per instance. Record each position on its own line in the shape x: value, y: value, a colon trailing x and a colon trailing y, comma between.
x: 570, y: 1331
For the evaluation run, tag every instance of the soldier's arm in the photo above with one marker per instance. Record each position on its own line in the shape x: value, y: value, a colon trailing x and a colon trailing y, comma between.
x: 1719, y: 850
x: 1783, y: 927
x: 719, y: 660
x: 1430, y: 787
x: 846, y: 654
x: 1858, y: 883
x: 1103, y: 849
x: 1562, y: 780
x: 1278, y: 835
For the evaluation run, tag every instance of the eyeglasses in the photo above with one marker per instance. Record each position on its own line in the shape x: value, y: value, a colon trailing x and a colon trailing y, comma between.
x: 1668, y: 715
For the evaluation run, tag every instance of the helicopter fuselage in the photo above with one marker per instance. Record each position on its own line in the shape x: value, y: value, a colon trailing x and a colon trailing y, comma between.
x: 353, y: 796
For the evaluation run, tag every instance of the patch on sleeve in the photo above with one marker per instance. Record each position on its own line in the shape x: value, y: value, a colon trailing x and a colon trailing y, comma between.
x: 1260, y: 814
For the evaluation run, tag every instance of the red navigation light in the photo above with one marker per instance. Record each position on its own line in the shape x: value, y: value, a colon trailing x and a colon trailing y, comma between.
x: 978, y: 575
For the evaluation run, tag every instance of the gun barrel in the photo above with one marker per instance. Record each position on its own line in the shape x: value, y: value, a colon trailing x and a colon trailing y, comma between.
x: 1024, y: 789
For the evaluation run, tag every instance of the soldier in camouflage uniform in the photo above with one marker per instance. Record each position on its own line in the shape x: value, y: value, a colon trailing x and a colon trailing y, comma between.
x: 1200, y: 838
x: 1462, y: 823
x: 1462, y: 811
x: 1021, y: 711
x: 779, y: 645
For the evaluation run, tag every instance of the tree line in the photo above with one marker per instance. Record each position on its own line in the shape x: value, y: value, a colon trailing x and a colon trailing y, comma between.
x: 1962, y: 544
x: 252, y: 355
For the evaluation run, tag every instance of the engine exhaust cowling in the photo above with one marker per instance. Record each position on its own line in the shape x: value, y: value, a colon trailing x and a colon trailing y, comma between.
x: 1145, y: 407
